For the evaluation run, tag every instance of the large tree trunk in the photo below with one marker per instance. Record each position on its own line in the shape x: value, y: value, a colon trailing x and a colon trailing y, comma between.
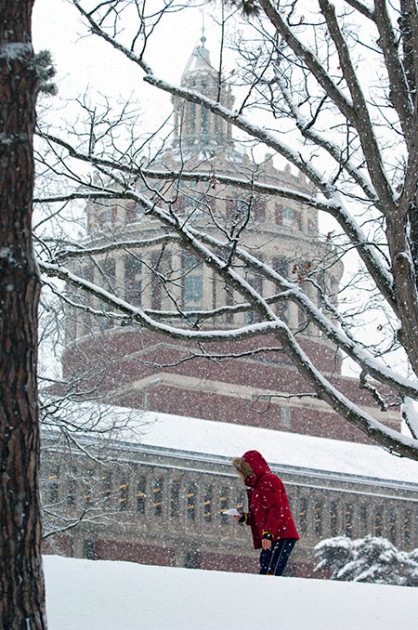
x: 22, y: 599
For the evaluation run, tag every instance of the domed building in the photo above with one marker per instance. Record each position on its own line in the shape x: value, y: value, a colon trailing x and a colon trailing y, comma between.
x: 240, y: 383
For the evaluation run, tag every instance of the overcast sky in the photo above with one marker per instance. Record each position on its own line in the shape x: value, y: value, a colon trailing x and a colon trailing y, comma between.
x: 86, y: 62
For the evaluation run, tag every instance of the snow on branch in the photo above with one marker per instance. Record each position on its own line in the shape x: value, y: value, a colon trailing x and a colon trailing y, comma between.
x: 372, y: 559
x: 334, y: 333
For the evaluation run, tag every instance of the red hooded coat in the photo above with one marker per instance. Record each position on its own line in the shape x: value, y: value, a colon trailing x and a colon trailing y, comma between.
x: 268, y: 504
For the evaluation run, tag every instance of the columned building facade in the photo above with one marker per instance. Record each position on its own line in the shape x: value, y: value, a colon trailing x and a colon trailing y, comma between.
x: 162, y: 505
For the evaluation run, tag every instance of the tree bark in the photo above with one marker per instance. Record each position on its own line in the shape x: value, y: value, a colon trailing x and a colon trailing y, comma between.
x: 22, y: 599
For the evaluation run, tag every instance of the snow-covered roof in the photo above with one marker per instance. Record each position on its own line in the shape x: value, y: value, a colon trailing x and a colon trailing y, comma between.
x: 281, y: 449
x: 278, y: 447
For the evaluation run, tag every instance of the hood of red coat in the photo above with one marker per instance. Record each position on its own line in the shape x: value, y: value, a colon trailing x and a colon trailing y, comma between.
x: 258, y: 464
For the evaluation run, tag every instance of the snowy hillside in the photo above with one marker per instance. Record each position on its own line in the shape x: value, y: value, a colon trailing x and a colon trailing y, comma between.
x: 86, y: 595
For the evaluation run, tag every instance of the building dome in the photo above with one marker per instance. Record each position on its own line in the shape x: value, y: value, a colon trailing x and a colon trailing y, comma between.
x: 198, y: 131
x: 143, y: 369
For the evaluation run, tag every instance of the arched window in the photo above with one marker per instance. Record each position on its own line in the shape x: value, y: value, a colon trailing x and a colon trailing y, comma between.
x: 407, y: 528
x: 140, y: 494
x: 348, y: 520
x: 72, y: 487
x: 123, y: 494
x: 174, y: 498
x: 303, y: 515
x: 378, y: 523
x: 207, y: 503
x: 53, y: 494
x: 191, y: 501
x: 106, y: 485
x: 333, y: 518
x: 158, y: 496
x: 224, y: 503
x: 317, y: 514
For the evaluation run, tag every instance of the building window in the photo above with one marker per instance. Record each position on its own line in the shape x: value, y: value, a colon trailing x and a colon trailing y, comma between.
x: 288, y: 215
x: 88, y: 492
x: 204, y: 120
x: 160, y: 269
x: 317, y: 518
x: 191, y: 502
x: 218, y: 129
x: 140, y: 494
x: 333, y: 518
x: 106, y: 486
x: 229, y: 301
x: 192, y: 118
x: 249, y: 317
x: 259, y: 210
x: 348, y: 520
x: 378, y: 523
x: 207, y: 503
x: 407, y: 529
x: 174, y: 498
x: 364, y: 525
x: 281, y: 267
x: 133, y: 280
x: 193, y: 282
x: 303, y: 513
x: 193, y: 290
x: 158, y: 496
x: 72, y: 487
x: 278, y: 211
x: 53, y: 494
x: 392, y: 526
x: 241, y: 502
x: 134, y: 211
x: 230, y: 209
x: 193, y: 200
x: 106, y: 218
x: 242, y: 209
x: 224, y: 503
x: 109, y: 277
x: 88, y: 273
x: 123, y: 494
x: 256, y: 282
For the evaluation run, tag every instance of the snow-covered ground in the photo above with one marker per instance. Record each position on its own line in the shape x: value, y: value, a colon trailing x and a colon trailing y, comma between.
x: 101, y: 595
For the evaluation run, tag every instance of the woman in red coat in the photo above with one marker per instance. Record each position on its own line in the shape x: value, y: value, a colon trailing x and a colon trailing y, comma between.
x: 268, y: 515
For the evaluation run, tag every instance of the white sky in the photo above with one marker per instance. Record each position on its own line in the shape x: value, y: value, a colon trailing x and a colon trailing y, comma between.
x: 88, y: 63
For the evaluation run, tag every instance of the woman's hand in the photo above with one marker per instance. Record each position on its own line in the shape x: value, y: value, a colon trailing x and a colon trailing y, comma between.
x: 266, y: 543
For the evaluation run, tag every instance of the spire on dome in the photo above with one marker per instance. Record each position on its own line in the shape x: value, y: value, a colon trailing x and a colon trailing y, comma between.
x: 198, y: 129
x: 199, y: 60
